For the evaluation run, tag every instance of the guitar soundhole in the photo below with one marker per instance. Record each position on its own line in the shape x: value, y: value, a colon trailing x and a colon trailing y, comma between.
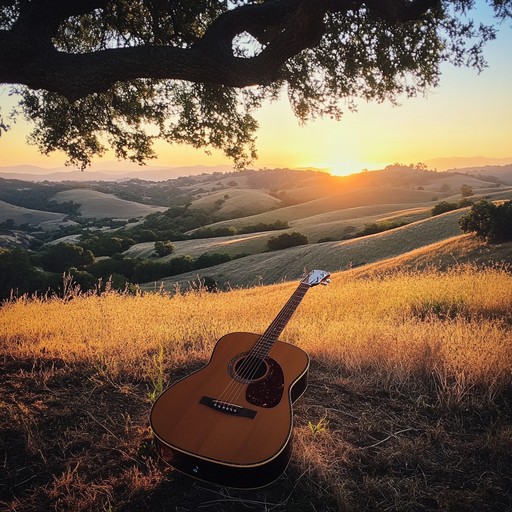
x: 249, y: 368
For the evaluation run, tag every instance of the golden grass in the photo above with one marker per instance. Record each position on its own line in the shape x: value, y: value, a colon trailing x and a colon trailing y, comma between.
x: 457, y: 250
x: 240, y: 202
x: 452, y: 329
x: 373, y: 196
x: 98, y: 204
x: 275, y: 266
x: 23, y: 215
x: 407, y: 406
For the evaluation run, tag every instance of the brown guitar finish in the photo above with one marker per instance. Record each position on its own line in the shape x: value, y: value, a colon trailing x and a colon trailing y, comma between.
x: 197, y: 438
x: 230, y: 423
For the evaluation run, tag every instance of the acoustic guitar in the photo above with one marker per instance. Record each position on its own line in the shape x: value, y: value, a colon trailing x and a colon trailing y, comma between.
x: 230, y: 423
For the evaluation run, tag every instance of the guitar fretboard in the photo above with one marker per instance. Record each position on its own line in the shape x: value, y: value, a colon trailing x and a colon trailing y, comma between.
x: 269, y: 337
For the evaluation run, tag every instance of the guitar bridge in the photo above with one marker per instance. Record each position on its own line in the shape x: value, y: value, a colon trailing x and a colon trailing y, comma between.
x: 227, y: 408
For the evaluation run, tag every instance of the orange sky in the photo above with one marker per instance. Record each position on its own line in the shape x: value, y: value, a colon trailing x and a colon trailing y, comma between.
x: 468, y: 115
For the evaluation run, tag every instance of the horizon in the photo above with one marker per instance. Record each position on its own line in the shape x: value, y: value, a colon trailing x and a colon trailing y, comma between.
x: 119, y: 169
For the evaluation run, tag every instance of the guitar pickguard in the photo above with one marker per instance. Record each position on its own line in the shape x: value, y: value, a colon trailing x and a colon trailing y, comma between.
x: 267, y: 392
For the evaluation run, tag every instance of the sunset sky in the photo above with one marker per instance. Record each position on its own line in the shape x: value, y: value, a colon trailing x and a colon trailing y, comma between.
x: 468, y: 115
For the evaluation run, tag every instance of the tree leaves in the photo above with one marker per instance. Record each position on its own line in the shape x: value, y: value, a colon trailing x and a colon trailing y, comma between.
x: 121, y: 74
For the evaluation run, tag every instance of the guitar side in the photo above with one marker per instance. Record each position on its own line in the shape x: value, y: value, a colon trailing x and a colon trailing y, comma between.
x: 247, y: 445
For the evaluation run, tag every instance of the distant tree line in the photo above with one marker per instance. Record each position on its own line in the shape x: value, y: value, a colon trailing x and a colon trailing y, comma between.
x: 171, y: 224
x: 212, y: 232
x: 37, y: 196
x: 26, y: 272
x: 168, y: 226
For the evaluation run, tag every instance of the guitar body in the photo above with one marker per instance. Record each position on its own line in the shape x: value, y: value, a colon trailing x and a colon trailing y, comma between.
x: 230, y: 422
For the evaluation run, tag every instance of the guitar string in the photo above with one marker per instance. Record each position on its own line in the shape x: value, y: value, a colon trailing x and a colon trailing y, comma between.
x: 266, y: 342
x: 251, y: 364
x: 262, y: 348
x: 257, y: 355
x: 247, y: 367
x: 254, y: 358
x: 292, y: 303
x: 245, y: 372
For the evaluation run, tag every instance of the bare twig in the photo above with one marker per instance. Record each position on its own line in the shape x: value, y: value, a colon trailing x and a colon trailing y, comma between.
x: 394, y: 434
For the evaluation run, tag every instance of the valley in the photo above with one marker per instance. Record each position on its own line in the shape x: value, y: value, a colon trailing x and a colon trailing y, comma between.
x: 217, y: 227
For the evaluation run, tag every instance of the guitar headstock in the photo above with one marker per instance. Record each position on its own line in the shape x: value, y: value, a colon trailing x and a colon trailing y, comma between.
x: 316, y: 277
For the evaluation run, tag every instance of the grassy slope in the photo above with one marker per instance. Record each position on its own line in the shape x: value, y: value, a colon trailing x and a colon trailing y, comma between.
x: 237, y: 244
x: 23, y: 215
x: 272, y: 267
x: 503, y: 172
x: 338, y: 201
x: 455, y: 182
x: 100, y: 205
x: 407, y: 408
x: 491, y: 194
x: 332, y: 224
x: 338, y: 224
x: 458, y: 250
x: 240, y: 200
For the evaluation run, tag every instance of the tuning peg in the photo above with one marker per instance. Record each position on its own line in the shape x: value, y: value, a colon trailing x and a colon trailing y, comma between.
x: 325, y: 282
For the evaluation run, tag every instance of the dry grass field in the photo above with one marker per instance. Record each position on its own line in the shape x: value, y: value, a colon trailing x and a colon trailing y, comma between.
x: 408, y: 406
x: 370, y: 197
x: 333, y: 224
x: 100, y: 205
x: 458, y: 250
x: 273, y: 267
x: 237, y: 202
x: 22, y: 215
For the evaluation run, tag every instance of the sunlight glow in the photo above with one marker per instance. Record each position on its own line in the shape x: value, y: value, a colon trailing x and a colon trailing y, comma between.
x: 467, y: 116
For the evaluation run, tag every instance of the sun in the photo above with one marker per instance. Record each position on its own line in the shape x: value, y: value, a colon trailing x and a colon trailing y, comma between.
x: 344, y: 167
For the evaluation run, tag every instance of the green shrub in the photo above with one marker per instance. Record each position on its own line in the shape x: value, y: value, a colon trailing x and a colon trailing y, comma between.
x: 445, y: 206
x: 62, y: 256
x: 490, y: 222
x: 164, y: 248
x: 287, y: 240
x: 379, y: 227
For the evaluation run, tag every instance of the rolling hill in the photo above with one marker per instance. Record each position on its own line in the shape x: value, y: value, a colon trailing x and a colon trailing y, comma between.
x: 457, y: 250
x: 237, y: 202
x: 21, y: 215
x: 237, y: 244
x: 335, y: 225
x: 340, y: 201
x: 502, y: 172
x: 272, y: 267
x: 100, y: 205
x: 318, y: 205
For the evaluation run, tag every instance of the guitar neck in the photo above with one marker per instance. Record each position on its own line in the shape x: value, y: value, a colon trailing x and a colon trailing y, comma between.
x: 269, y: 337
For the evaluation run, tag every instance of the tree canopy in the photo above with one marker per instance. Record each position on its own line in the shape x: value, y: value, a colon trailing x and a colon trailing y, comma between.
x: 491, y: 222
x: 93, y: 74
